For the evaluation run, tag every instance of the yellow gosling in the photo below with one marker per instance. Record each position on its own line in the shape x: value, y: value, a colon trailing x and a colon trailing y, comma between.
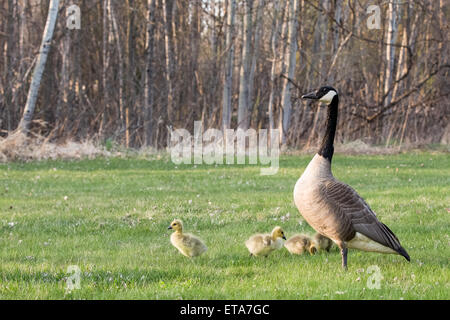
x: 299, y: 244
x: 188, y: 244
x: 264, y: 244
x: 321, y: 242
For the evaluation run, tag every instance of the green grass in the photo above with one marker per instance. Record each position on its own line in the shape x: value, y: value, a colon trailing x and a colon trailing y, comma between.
x: 110, y: 217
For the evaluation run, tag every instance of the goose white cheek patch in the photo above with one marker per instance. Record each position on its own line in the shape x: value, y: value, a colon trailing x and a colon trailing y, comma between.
x: 328, y: 97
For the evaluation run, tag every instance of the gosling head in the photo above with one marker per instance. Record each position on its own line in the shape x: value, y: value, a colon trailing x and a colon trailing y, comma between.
x: 277, y: 232
x: 324, y: 94
x: 176, y: 225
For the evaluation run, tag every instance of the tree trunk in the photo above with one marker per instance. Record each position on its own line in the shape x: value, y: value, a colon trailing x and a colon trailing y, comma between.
x: 228, y: 85
x: 28, y: 112
x: 105, y: 62
x: 168, y: 44
x: 122, y: 124
x: 292, y: 57
x: 256, y: 44
x: 391, y: 38
x: 149, y: 75
x: 245, y: 67
x: 276, y: 23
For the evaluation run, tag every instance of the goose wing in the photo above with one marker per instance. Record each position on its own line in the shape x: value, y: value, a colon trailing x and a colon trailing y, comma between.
x: 358, y: 216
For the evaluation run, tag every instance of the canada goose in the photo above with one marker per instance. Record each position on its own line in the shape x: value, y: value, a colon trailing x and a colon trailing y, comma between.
x: 333, y: 208
x: 300, y: 244
x: 188, y: 244
x: 264, y: 244
x: 320, y: 242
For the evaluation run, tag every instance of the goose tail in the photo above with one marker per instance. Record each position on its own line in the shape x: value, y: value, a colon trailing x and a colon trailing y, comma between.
x: 401, y: 251
x: 395, y: 243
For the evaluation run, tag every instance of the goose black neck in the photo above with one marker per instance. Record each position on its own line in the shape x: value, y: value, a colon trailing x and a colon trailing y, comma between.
x: 326, y: 148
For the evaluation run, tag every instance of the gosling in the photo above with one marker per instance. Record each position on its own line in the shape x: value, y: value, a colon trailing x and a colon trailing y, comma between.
x: 321, y: 242
x: 188, y: 244
x: 264, y: 244
x: 300, y: 244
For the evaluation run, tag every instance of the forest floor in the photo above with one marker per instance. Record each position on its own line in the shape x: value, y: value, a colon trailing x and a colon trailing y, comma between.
x: 104, y: 221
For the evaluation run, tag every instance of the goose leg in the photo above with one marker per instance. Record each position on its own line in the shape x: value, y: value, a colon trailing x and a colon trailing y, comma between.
x: 344, y: 251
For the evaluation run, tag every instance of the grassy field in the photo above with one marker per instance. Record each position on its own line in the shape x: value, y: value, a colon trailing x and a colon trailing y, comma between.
x: 109, y: 217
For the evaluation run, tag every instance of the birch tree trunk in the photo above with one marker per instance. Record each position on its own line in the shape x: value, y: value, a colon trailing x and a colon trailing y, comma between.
x: 245, y: 67
x: 292, y: 55
x: 167, y: 17
x: 64, y: 80
x: 24, y: 124
x: 122, y: 124
x: 256, y: 44
x: 105, y: 61
x: 276, y: 23
x: 228, y: 85
x: 402, y: 66
x: 391, y: 38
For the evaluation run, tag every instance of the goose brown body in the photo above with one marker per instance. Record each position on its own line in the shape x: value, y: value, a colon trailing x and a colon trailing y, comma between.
x: 333, y: 208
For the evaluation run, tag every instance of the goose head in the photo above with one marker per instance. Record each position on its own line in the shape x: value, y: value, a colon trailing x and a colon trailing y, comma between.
x: 176, y: 225
x: 277, y: 232
x: 324, y: 94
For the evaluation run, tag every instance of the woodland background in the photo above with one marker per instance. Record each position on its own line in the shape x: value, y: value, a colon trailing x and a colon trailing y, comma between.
x: 138, y: 68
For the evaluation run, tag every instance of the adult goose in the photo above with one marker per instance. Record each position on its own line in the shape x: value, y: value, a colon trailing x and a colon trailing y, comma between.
x: 333, y: 208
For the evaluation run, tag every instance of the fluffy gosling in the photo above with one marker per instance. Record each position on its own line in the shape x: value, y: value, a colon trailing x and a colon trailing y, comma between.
x: 321, y: 242
x: 264, y: 244
x: 188, y: 244
x: 299, y: 244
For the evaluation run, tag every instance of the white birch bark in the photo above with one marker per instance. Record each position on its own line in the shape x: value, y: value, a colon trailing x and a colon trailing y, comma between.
x: 24, y: 124
x: 292, y: 56
x: 256, y: 45
x: 229, y: 44
x: 167, y: 17
x: 276, y: 24
x: 391, y: 38
x: 245, y: 66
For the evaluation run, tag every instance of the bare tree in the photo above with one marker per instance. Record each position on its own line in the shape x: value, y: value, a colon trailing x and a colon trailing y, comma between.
x: 24, y: 124
x: 245, y: 66
x: 276, y: 23
x: 228, y: 83
x: 391, y: 38
x: 149, y: 75
x: 169, y: 57
x: 292, y: 53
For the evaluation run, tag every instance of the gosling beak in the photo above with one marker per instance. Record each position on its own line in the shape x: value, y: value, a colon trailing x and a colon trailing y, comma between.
x: 169, y: 228
x: 311, y: 95
x: 284, y: 237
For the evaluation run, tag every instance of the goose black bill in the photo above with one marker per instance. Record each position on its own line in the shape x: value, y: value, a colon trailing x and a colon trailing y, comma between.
x: 311, y: 95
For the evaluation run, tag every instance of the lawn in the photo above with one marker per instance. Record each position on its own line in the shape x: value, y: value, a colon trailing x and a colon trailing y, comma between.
x: 109, y: 218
